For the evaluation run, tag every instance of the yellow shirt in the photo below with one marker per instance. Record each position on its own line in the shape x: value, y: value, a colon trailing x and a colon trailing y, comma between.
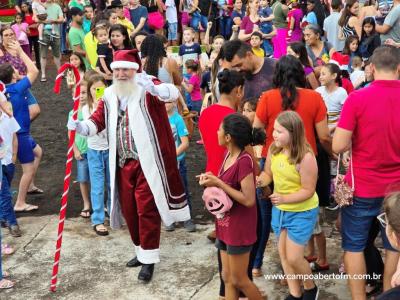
x: 128, y: 24
x: 258, y: 52
x: 287, y: 181
x: 91, y: 49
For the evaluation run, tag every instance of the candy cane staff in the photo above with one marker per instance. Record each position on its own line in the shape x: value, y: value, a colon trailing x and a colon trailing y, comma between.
x: 144, y: 178
x: 68, y: 167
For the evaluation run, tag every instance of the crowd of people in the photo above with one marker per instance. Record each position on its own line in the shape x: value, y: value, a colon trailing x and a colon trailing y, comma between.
x: 288, y: 97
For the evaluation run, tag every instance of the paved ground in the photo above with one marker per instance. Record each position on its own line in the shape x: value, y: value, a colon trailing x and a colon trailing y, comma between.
x: 93, y: 267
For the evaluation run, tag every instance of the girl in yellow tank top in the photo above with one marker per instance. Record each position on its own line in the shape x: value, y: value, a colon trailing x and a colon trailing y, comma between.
x: 292, y: 166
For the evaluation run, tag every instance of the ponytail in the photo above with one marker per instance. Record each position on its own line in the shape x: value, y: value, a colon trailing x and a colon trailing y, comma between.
x: 242, y: 132
x: 258, y: 136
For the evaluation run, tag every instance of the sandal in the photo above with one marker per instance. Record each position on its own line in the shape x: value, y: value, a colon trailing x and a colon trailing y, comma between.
x: 315, y: 267
x: 100, y: 232
x: 6, y: 284
x: 311, y: 258
x: 257, y: 272
x: 35, y: 191
x: 375, y: 289
x: 6, y: 249
x: 85, y: 213
x: 27, y: 208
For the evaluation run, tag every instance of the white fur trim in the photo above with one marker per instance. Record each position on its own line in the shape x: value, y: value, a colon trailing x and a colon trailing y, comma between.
x: 124, y: 65
x: 147, y: 256
x: 147, y: 159
x: 92, y: 127
x: 177, y: 215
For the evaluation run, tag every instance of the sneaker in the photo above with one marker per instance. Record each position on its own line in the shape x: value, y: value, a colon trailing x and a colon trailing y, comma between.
x: 189, y: 226
x: 15, y: 231
x: 170, y: 227
x: 311, y: 294
x: 290, y: 297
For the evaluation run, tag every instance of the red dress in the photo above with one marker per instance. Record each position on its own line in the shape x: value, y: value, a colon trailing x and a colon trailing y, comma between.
x: 238, y: 227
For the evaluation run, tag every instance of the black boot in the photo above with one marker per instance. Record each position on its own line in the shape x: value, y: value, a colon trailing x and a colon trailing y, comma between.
x: 146, y: 273
x: 133, y: 263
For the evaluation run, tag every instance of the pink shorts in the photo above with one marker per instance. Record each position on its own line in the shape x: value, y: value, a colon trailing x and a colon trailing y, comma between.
x: 185, y: 19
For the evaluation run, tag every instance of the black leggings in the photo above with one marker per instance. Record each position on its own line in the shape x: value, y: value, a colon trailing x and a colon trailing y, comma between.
x: 373, y: 258
x: 34, y: 42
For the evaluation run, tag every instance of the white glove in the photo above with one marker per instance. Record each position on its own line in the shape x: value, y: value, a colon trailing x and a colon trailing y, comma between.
x: 80, y: 127
x: 146, y: 82
x: 164, y: 91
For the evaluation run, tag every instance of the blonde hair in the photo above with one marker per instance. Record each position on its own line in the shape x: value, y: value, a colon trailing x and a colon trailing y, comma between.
x: 298, y: 145
x: 391, y: 207
x: 90, y: 81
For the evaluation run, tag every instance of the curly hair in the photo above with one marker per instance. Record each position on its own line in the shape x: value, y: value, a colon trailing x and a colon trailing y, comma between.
x: 153, y: 50
x: 288, y: 76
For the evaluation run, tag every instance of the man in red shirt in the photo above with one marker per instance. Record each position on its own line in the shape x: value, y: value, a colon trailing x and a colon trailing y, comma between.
x: 369, y: 124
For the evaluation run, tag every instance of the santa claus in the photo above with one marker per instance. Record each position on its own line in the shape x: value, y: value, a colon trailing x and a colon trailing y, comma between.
x: 144, y: 178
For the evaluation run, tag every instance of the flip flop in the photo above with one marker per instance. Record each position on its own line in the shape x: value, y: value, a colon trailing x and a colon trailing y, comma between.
x: 6, y: 284
x: 35, y: 191
x: 100, y: 232
x: 6, y: 249
x: 85, y: 213
x: 27, y: 208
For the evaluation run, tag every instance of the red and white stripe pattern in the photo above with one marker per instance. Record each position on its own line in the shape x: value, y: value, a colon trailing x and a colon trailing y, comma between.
x: 68, y: 167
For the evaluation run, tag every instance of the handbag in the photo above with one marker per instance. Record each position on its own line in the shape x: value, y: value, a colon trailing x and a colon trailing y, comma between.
x: 155, y: 20
x: 343, y: 192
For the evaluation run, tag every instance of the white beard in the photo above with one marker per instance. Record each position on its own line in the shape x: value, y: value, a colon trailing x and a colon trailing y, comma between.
x: 124, y: 89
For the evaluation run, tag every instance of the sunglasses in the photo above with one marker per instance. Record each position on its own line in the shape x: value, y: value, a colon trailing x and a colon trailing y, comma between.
x: 382, y: 219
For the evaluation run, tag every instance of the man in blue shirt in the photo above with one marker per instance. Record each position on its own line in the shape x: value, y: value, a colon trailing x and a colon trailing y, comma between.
x: 29, y: 153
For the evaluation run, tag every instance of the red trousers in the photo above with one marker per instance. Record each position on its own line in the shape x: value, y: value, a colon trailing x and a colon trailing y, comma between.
x: 140, y: 211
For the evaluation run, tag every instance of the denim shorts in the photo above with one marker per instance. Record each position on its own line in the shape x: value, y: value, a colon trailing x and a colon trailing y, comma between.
x: 172, y: 31
x: 26, y: 144
x: 82, y: 170
x: 299, y: 225
x: 198, y: 19
x: 232, y: 250
x: 356, y: 223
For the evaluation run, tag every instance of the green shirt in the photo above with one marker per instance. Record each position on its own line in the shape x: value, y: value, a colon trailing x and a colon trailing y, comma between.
x: 76, y: 37
x: 280, y: 17
x: 54, y: 12
x: 80, y: 141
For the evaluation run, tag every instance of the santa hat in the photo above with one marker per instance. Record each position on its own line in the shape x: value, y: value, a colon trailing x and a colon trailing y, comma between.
x: 342, y: 60
x: 126, y: 59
